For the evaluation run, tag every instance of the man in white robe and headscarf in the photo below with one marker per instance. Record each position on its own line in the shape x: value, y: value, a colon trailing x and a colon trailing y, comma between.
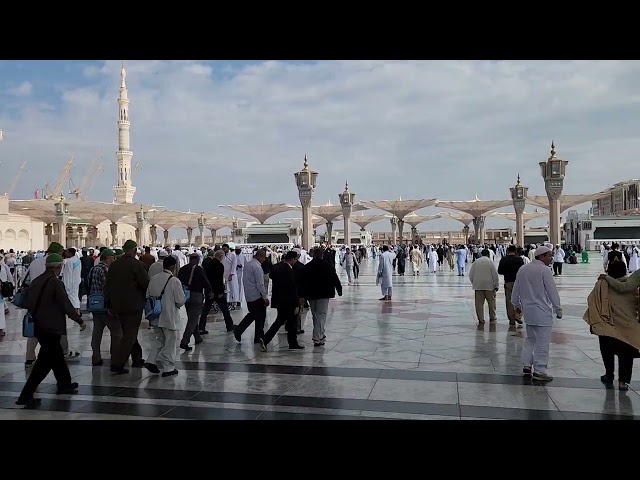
x: 433, y: 260
x: 385, y: 273
x: 241, y: 261
x: 230, y: 263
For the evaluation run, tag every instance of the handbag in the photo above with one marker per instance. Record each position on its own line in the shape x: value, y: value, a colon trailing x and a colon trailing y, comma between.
x: 28, y: 321
x: 6, y: 288
x: 20, y: 296
x: 95, y: 301
x: 187, y: 288
x: 153, y: 306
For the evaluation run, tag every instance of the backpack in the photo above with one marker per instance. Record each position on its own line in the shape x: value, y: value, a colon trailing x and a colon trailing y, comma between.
x: 153, y: 305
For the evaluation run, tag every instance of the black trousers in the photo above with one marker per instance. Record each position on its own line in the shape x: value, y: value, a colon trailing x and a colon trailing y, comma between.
x: 609, y: 348
x: 557, y: 268
x: 50, y: 357
x: 257, y: 314
x: 356, y: 270
x: 194, y: 311
x: 224, y: 308
x: 286, y: 316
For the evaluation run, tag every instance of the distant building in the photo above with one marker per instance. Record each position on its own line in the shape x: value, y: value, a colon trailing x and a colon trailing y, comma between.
x: 624, y: 196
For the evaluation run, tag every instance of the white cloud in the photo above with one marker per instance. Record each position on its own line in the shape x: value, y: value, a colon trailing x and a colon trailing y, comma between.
x: 22, y: 90
x: 415, y: 129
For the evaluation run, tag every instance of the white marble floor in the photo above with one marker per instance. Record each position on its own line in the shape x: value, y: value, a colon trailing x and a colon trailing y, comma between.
x: 422, y: 356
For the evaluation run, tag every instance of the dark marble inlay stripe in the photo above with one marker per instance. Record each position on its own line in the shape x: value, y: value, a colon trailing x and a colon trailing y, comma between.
x: 418, y: 375
x: 494, y: 378
x: 598, y: 416
x: 311, y: 416
x: 129, y: 409
x: 203, y: 413
x: 509, y: 413
x: 369, y: 405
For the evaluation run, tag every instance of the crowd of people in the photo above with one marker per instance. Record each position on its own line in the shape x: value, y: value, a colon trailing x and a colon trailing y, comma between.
x: 176, y: 289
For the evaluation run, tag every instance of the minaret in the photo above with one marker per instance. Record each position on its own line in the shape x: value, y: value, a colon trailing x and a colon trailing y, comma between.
x: 124, y: 190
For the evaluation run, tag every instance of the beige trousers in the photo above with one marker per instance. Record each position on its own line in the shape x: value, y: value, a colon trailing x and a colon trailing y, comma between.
x: 490, y: 297
x: 511, y: 313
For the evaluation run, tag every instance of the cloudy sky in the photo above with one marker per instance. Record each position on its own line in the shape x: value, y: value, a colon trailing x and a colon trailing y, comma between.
x: 210, y: 133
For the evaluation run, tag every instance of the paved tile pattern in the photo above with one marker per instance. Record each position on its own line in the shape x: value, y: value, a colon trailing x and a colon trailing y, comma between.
x: 421, y: 357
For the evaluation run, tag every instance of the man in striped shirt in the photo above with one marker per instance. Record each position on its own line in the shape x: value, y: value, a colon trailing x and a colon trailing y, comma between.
x: 96, y: 282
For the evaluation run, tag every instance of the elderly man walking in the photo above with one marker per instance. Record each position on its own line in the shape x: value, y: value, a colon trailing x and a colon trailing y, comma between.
x: 535, y: 295
x: 485, y: 281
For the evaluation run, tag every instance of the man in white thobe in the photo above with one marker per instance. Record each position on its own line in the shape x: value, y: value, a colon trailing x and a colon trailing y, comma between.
x: 416, y: 260
x: 385, y: 273
x: 242, y: 260
x: 433, y: 260
x: 180, y: 257
x: 230, y: 263
x: 535, y: 295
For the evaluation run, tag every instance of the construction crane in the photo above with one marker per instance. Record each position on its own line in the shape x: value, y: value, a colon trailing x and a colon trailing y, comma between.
x: 12, y: 187
x: 89, y: 177
x: 136, y: 168
x: 91, y: 181
x: 56, y: 192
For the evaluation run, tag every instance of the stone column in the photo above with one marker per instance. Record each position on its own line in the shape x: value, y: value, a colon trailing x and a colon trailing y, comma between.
x: 114, y: 234
x: 306, y: 183
x: 401, y: 231
x: 553, y: 173
x: 213, y: 236
x: 394, y: 229
x: 166, y: 237
x: 346, y: 201
x: 92, y: 235
x: 189, y: 235
x: 201, y: 227
x: 153, y: 231
x: 329, y: 226
x: 519, y: 195
x: 466, y: 234
x: 48, y: 234
x: 141, y: 230
x: 62, y: 216
x: 414, y: 234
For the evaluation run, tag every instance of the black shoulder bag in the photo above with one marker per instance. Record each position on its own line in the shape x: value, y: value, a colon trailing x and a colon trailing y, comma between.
x: 28, y: 324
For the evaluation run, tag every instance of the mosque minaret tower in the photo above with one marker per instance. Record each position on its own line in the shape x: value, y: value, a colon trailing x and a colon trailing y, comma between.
x: 124, y: 190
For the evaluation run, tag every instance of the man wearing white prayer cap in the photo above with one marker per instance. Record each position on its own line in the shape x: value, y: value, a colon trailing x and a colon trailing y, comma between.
x: 535, y: 296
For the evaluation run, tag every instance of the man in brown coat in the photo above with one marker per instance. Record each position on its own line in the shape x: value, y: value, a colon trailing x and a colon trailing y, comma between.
x: 125, y: 295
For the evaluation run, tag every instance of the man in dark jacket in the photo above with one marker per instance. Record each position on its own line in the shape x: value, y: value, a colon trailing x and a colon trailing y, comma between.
x: 298, y: 267
x: 317, y: 284
x: 125, y: 295
x: 330, y: 257
x: 49, y: 305
x: 508, y: 267
x: 195, y: 280
x: 214, y: 270
x: 284, y: 298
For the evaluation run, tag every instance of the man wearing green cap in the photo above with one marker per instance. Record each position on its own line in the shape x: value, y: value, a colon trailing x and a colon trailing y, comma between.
x: 49, y: 305
x: 37, y: 268
x: 125, y: 296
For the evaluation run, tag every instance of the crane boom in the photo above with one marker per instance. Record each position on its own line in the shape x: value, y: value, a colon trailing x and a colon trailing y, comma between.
x: 57, y: 189
x: 92, y: 180
x: 90, y: 172
x: 12, y: 187
x: 136, y: 168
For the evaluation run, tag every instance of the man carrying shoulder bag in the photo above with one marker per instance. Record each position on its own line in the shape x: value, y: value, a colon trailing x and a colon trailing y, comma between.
x: 48, y: 306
